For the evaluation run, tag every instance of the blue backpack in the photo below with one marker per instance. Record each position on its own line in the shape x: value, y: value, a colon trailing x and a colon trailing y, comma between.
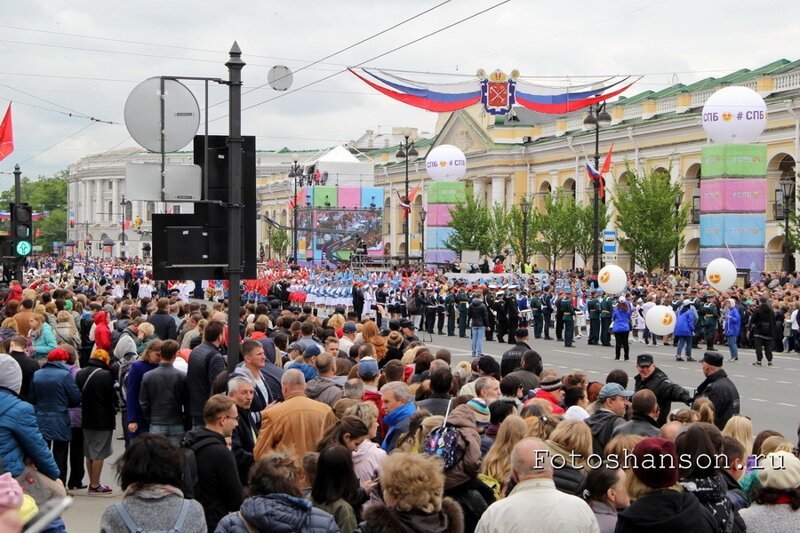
x: 443, y: 443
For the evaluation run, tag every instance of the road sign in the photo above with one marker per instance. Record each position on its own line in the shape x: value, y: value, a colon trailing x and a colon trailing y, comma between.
x: 609, y: 258
x: 610, y: 241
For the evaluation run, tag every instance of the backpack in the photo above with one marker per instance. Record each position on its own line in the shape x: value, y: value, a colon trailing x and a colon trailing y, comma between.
x: 133, y: 528
x: 190, y: 477
x: 443, y: 442
x: 116, y: 335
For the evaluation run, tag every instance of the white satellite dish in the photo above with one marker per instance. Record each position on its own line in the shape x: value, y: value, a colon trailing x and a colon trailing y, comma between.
x: 280, y: 78
x: 143, y: 115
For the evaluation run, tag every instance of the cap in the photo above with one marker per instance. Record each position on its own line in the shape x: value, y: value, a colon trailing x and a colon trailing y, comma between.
x: 521, y: 333
x: 394, y: 324
x: 780, y: 471
x: 687, y: 301
x: 407, y: 324
x: 656, y: 462
x: 311, y: 351
x: 644, y: 359
x: 551, y: 385
x: 622, y: 299
x: 10, y: 373
x: 611, y: 390
x: 368, y: 368
x: 349, y: 327
x: 713, y: 358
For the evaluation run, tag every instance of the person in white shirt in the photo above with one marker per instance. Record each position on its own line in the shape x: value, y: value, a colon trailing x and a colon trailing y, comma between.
x: 535, y: 505
x: 145, y: 289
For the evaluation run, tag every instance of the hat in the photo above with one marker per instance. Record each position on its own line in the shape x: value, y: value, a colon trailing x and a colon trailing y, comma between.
x: 481, y: 412
x: 492, y: 286
x: 407, y: 324
x: 101, y: 355
x: 349, y: 327
x: 488, y: 365
x: 309, y: 372
x: 521, y: 333
x: 500, y: 293
x: 687, y: 301
x: 551, y: 385
x: 611, y: 390
x: 656, y: 462
x: 644, y: 359
x: 10, y: 493
x: 713, y: 358
x: 622, y: 299
x: 58, y: 355
x: 780, y: 471
x: 10, y: 373
x: 368, y: 368
x: 512, y: 287
x: 311, y: 351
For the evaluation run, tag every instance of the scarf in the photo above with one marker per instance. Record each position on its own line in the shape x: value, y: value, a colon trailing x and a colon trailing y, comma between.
x: 393, y: 418
x: 153, y: 491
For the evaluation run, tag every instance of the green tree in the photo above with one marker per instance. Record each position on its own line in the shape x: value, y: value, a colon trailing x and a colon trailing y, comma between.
x: 43, y: 194
x: 557, y: 226
x: 278, y: 241
x: 499, y: 229
x: 517, y: 236
x: 584, y: 240
x: 470, y: 223
x: 649, y: 227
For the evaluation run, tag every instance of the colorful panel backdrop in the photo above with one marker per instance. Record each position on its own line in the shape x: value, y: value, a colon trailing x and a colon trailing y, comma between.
x: 734, y: 161
x: 733, y: 195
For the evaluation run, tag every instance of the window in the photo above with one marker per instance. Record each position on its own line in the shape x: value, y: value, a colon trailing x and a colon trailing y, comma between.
x: 110, y: 185
x: 151, y: 206
x: 128, y: 210
x: 110, y: 212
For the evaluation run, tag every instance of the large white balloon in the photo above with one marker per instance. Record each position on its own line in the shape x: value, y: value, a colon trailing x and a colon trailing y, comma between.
x: 721, y: 274
x: 734, y: 115
x: 660, y: 320
x: 446, y: 163
x: 612, y: 279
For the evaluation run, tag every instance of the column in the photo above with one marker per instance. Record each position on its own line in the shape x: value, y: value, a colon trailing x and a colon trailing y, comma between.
x: 98, y: 201
x: 479, y: 189
x: 115, y: 199
x: 498, y: 190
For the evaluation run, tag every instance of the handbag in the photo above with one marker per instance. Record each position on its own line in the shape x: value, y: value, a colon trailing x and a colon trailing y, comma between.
x: 40, y: 487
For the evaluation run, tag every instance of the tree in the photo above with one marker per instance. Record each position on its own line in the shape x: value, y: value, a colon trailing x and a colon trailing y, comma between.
x: 584, y: 241
x: 499, y: 229
x: 649, y: 227
x: 517, y: 235
x: 557, y: 226
x: 278, y: 241
x: 43, y: 194
x: 470, y: 223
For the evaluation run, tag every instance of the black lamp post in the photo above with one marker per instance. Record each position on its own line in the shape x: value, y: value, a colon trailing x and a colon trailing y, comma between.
x: 525, y: 207
x: 123, y: 208
x: 409, y: 153
x: 596, y: 119
x: 677, y: 213
x: 422, y: 216
x: 787, y: 186
x: 295, y: 173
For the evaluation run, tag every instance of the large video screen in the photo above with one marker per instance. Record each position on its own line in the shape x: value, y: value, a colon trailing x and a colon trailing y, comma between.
x: 365, y: 224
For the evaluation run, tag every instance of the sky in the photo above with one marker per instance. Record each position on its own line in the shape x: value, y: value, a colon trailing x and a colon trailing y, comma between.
x: 84, y: 57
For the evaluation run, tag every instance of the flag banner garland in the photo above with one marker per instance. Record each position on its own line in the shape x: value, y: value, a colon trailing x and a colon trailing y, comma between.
x: 6, y: 215
x: 497, y: 92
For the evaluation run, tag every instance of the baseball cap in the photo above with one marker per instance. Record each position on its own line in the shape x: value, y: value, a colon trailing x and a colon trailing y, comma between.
x: 407, y: 324
x: 311, y: 351
x: 368, y: 368
x: 644, y: 359
x: 349, y: 327
x: 610, y: 390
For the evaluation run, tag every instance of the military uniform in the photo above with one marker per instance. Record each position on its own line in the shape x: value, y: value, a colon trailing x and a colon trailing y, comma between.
x: 536, y: 311
x: 430, y: 304
x: 499, y: 307
x: 548, y: 301
x: 593, y: 307
x: 440, y: 306
x: 559, y: 318
x: 462, y: 301
x: 512, y: 315
x: 489, y: 298
x: 568, y: 320
x: 710, y: 317
x: 606, y: 308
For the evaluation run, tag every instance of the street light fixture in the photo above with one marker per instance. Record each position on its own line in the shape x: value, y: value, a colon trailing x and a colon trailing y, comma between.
x: 422, y: 216
x: 787, y: 184
x: 596, y: 119
x: 409, y: 153
x: 677, y: 213
x: 525, y: 207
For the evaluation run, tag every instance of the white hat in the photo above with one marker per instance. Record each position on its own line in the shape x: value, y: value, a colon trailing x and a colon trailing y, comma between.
x: 622, y: 299
x: 10, y: 373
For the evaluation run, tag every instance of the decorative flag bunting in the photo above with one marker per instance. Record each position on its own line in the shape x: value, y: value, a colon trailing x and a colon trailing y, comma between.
x: 406, y: 205
x: 594, y: 175
x: 6, y: 135
x: 5, y: 215
x: 497, y: 92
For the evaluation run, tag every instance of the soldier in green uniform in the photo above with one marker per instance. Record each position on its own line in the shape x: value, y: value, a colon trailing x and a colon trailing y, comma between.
x: 536, y: 311
x: 593, y: 306
x: 710, y: 316
x: 462, y: 301
x: 450, y: 309
x: 606, y: 308
x: 568, y: 314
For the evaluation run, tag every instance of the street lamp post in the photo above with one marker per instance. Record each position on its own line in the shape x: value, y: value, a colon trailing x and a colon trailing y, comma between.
x: 123, y: 206
x: 525, y: 207
x: 596, y: 119
x: 787, y: 186
x: 295, y: 173
x: 407, y: 152
x: 422, y: 216
x: 677, y: 243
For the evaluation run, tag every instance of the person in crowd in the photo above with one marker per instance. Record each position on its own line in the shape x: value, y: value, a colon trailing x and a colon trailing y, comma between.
x: 323, y: 388
x: 275, y: 501
x: 512, y: 358
x: 349, y: 432
x: 606, y: 495
x: 23, y: 316
x: 53, y: 391
x: 740, y: 428
x: 718, y: 388
x: 297, y: 424
x: 652, y: 378
x: 441, y: 381
x: 570, y: 446
x: 576, y: 401
x: 535, y: 499
x: 164, y: 324
x: 101, y: 333
x: 252, y: 366
x: 151, y: 473
x: 684, y: 330
x: 612, y: 403
x: 479, y: 319
x: 65, y: 330
x: 41, y: 337
x: 336, y: 488
x: 529, y: 370
x: 163, y: 398
x: 643, y: 419
x: 368, y: 457
x: 99, y: 416
x: 205, y: 364
x: 621, y: 327
x: 496, y: 465
x: 732, y: 471
x: 776, y: 505
x: 128, y: 340
x: 132, y: 382
x: 243, y: 438
x: 732, y: 327
x: 15, y: 347
x: 551, y: 389
x: 218, y: 487
x: 762, y: 326
x: 77, y: 469
x: 399, y: 406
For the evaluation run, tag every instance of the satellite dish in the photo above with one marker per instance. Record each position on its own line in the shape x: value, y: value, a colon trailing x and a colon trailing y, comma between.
x: 143, y: 115
x: 280, y: 78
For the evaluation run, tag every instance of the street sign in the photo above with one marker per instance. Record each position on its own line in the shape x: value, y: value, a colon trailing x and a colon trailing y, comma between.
x: 610, y: 241
x: 609, y: 258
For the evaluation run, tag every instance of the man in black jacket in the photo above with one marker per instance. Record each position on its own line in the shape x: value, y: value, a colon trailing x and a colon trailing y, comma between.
x: 162, y: 321
x: 163, y: 396
x: 479, y: 319
x: 763, y: 325
x: 643, y: 420
x: 16, y: 349
x: 218, y: 487
x: 243, y: 439
x: 86, y: 322
x: 358, y: 299
x: 205, y: 363
x: 653, y: 378
x: 612, y: 402
x: 441, y: 382
x: 512, y: 358
x: 718, y: 388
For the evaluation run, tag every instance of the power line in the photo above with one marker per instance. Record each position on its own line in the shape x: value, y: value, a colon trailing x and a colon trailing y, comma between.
x: 90, y: 124
x: 71, y: 112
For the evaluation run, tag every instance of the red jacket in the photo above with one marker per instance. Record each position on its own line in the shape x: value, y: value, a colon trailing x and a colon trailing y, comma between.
x: 102, y: 335
x: 15, y: 293
x: 557, y: 409
x: 375, y: 397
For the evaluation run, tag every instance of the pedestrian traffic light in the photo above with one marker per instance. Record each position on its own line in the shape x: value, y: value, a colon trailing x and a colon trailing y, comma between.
x: 22, y: 229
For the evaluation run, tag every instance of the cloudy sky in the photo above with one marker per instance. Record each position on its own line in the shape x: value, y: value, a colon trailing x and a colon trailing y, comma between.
x: 85, y: 56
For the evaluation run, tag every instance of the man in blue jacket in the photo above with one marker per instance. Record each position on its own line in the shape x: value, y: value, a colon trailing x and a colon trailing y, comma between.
x: 732, y: 327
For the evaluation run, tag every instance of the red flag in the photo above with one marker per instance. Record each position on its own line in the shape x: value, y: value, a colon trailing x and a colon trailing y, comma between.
x: 6, y: 135
x: 37, y: 233
x: 607, y: 161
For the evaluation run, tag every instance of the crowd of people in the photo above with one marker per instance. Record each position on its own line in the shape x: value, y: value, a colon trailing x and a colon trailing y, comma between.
x: 340, y: 418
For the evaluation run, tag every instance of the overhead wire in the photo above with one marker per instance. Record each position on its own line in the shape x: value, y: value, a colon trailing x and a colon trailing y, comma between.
x: 69, y: 112
x: 76, y: 132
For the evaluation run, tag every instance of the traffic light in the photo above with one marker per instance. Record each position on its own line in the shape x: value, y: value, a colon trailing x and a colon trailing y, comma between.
x: 22, y: 229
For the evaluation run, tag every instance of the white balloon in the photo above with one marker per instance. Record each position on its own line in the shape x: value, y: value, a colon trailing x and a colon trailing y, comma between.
x: 660, y: 320
x: 446, y: 163
x: 734, y: 115
x: 612, y: 279
x: 721, y: 274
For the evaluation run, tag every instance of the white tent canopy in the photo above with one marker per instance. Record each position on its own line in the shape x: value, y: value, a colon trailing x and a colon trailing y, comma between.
x: 344, y: 169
